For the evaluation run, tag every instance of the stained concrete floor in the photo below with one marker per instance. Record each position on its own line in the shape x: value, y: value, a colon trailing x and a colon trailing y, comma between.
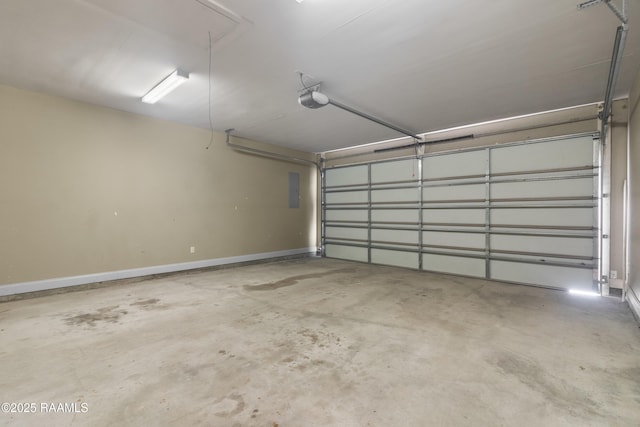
x: 317, y: 342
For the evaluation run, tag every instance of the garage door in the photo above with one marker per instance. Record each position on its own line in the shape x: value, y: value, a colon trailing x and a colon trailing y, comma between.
x: 522, y: 212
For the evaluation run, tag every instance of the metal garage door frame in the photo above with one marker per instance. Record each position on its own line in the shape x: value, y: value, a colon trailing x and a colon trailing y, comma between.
x: 368, y: 238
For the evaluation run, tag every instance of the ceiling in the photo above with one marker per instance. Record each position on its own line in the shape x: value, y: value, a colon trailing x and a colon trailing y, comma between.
x: 418, y: 64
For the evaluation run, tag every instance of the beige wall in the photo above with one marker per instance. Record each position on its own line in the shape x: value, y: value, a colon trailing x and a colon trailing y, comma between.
x: 85, y: 189
x: 620, y: 114
x: 634, y: 197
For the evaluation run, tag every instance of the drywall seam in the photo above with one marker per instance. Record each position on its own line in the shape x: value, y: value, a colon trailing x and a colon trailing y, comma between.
x: 64, y: 282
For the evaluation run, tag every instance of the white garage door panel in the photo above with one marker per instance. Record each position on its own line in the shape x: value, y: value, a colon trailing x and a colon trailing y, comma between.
x: 347, y: 176
x: 347, y: 252
x: 542, y: 244
x: 395, y: 258
x: 453, y: 265
x: 397, y: 236
x: 557, y: 188
x: 400, y: 215
x: 457, y: 216
x: 544, y: 275
x: 347, y: 197
x: 402, y: 170
x: 401, y: 195
x: 455, y: 192
x: 466, y: 240
x: 543, y: 155
x: 346, y: 215
x: 544, y: 216
x: 346, y: 233
x: 457, y: 164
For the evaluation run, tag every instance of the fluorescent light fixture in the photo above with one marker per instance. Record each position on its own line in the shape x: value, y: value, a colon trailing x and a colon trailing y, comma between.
x: 299, y: 1
x: 171, y: 82
x: 583, y: 293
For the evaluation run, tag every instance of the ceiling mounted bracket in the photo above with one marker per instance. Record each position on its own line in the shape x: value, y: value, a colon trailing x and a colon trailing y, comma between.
x: 307, y: 87
x: 621, y: 14
x: 312, y: 88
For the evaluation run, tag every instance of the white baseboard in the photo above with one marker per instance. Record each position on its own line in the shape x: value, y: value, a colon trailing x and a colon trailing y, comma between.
x: 634, y: 303
x: 64, y: 282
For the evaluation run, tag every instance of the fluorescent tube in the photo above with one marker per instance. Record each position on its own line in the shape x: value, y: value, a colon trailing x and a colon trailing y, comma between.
x: 171, y: 82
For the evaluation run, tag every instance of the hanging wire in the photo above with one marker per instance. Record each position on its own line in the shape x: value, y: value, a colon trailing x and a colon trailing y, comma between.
x: 210, y: 119
x: 304, y: 86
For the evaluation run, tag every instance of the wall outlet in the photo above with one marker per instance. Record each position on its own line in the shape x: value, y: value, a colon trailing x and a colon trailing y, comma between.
x: 192, y: 249
x: 613, y: 274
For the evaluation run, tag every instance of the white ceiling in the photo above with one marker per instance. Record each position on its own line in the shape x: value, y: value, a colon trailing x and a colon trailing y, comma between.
x: 420, y: 64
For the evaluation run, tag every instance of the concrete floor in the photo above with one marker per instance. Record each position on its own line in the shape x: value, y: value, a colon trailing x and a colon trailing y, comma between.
x: 317, y: 342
